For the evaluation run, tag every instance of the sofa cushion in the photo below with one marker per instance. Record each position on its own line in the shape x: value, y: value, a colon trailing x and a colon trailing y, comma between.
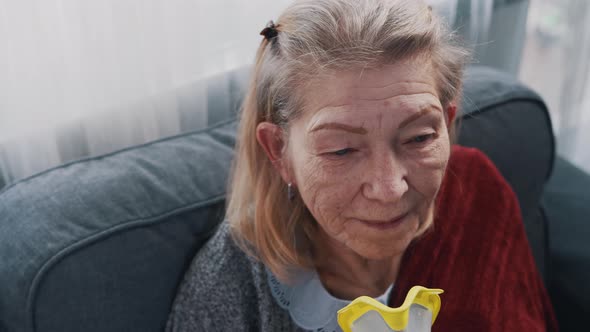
x: 101, y: 244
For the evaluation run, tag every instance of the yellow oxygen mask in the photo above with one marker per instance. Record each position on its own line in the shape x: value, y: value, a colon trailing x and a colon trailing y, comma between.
x: 416, y: 314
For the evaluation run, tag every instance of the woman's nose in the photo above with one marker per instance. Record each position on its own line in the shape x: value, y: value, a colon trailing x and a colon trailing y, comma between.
x: 386, y: 179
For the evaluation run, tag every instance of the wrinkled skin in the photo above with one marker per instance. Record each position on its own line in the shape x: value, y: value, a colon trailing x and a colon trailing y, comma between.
x: 367, y: 157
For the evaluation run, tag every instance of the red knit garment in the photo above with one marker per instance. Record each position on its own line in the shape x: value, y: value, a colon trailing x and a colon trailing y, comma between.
x: 478, y: 253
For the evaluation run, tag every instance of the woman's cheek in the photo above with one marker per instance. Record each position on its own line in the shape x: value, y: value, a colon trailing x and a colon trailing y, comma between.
x: 324, y: 190
x: 434, y: 156
x: 429, y: 169
x: 312, y: 180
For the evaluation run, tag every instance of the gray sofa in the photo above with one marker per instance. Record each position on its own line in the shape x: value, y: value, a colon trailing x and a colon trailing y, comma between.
x: 101, y: 244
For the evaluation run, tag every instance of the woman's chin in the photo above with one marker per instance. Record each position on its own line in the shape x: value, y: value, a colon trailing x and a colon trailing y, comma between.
x: 373, y: 251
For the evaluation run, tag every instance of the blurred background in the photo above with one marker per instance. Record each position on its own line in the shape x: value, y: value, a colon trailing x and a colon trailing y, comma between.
x: 80, y: 78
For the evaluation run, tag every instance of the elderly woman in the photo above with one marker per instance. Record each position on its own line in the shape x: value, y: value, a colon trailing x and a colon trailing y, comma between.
x: 346, y: 184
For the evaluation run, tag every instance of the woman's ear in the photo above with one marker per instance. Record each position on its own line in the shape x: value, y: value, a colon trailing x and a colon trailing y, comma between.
x: 271, y: 139
x: 451, y: 112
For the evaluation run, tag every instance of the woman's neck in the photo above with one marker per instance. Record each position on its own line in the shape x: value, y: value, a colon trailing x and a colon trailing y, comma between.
x: 347, y: 275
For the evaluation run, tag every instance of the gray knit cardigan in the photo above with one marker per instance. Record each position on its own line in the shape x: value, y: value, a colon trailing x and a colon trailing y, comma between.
x: 225, y: 290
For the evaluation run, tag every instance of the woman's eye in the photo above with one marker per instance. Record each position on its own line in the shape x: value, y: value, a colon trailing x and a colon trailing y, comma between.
x: 422, y: 138
x: 342, y: 152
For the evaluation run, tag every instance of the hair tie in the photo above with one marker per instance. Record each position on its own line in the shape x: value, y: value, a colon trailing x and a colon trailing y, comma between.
x: 270, y: 31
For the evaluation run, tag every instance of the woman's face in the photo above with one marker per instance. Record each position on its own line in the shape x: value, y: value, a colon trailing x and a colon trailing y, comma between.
x: 369, y: 154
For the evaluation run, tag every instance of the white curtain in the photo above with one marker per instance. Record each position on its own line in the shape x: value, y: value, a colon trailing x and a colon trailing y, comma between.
x: 104, y: 68
x: 85, y: 77
x: 106, y: 71
x: 556, y: 63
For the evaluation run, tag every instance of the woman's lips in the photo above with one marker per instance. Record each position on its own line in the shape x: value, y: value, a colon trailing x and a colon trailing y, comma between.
x: 384, y: 225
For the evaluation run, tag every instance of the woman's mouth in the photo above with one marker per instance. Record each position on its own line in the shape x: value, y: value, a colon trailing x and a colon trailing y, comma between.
x: 385, y: 224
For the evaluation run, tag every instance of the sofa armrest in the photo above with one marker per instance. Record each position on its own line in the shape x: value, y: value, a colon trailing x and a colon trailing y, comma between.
x: 566, y: 202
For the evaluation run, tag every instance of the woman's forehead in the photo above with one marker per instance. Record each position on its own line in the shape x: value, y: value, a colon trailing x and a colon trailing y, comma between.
x: 375, y: 84
x: 405, y: 86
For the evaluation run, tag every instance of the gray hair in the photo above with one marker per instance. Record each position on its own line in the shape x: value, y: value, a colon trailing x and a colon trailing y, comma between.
x: 319, y: 35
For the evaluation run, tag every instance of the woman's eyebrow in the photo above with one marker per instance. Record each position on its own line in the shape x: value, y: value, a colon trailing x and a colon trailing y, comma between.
x: 339, y: 126
x: 363, y: 131
x: 416, y: 116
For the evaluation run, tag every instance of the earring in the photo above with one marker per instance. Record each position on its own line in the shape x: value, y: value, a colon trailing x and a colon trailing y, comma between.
x: 290, y: 191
